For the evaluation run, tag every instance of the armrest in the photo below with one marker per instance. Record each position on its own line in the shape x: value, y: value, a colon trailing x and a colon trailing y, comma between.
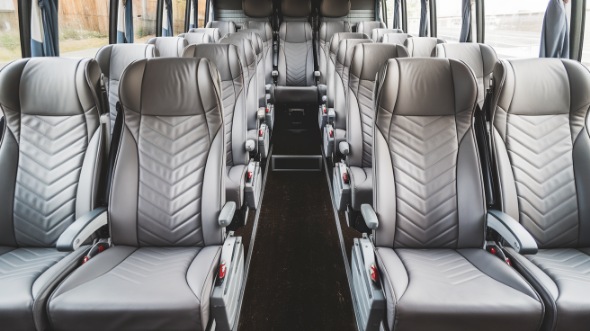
x: 250, y: 145
x: 369, y: 216
x: 77, y: 233
x: 512, y: 232
x: 227, y: 214
x: 344, y: 148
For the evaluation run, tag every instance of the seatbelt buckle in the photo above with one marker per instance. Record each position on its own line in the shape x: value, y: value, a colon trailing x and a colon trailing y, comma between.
x: 328, y: 140
x: 263, y: 141
x: 96, y: 249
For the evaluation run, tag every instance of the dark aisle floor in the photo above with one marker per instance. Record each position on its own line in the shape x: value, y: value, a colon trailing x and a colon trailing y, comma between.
x: 297, y: 279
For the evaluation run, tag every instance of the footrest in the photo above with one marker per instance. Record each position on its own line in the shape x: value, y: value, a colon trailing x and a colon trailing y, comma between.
x: 341, y: 186
x: 253, y: 186
x: 226, y: 292
x: 366, y: 287
x: 328, y: 140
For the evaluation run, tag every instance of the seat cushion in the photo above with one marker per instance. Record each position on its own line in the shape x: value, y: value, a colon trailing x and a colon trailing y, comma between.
x: 562, y: 276
x: 446, y: 289
x: 27, y: 277
x: 128, y: 288
x: 362, y: 186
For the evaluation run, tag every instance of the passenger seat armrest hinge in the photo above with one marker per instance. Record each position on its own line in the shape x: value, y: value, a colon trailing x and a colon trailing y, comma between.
x: 512, y: 232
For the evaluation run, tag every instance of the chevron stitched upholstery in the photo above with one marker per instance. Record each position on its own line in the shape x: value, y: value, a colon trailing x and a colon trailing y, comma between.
x: 428, y: 197
x: 50, y: 155
x: 296, y: 62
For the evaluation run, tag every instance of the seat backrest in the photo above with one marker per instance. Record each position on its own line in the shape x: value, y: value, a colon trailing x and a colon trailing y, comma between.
x: 296, y: 63
x: 224, y: 27
x: 212, y: 32
x: 395, y: 38
x: 262, y: 65
x: 428, y: 187
x: 480, y: 58
x: 168, y: 46
x: 168, y: 179
x: 541, y: 148
x: 422, y: 46
x: 368, y: 27
x: 367, y: 60
x: 196, y: 38
x: 331, y: 69
x: 377, y: 34
x: 260, y: 13
x: 333, y: 18
x: 225, y: 57
x: 51, y: 152
x: 248, y: 60
x: 113, y: 59
x: 343, y: 61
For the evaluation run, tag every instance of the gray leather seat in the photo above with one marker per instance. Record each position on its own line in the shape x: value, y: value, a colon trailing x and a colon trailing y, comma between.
x: 366, y: 62
x: 196, y: 38
x: 233, y: 72
x: 422, y: 46
x: 168, y: 46
x: 164, y: 204
x: 260, y: 72
x: 367, y: 27
x: 212, y: 32
x: 377, y: 34
x: 395, y: 38
x: 333, y: 15
x: 224, y: 27
x: 50, y: 159
x: 259, y: 13
x: 113, y: 59
x: 333, y: 48
x: 431, y: 210
x: 480, y: 58
x: 295, y: 45
x: 541, y: 148
x: 340, y: 88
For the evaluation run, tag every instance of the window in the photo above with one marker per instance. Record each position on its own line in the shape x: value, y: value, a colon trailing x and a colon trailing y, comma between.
x: 414, y: 9
x: 202, y: 6
x: 390, y: 7
x: 9, y: 33
x: 513, y: 28
x: 83, y: 27
x: 144, y: 20
x: 449, y: 19
x: 178, y: 12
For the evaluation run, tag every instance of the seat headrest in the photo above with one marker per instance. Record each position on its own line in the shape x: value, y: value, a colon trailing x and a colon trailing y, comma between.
x: 377, y: 34
x: 369, y: 58
x: 542, y: 86
x: 337, y: 37
x: 213, y: 32
x: 245, y: 48
x: 422, y: 46
x: 253, y: 36
x: 195, y: 38
x: 479, y: 57
x: 449, y: 85
x: 226, y: 56
x: 334, y: 8
x: 50, y: 86
x: 345, y: 50
x: 368, y: 26
x: 395, y: 38
x: 170, y: 87
x: 113, y: 59
x: 257, y: 8
x: 168, y: 46
x: 296, y: 8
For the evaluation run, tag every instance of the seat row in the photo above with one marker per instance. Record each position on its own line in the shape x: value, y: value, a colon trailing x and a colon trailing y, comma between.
x: 439, y: 257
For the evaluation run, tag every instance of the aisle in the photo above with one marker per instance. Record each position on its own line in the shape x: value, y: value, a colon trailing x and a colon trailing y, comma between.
x: 297, y: 279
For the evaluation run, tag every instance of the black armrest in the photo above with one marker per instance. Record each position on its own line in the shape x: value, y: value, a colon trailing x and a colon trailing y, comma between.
x: 512, y: 232
x: 77, y: 233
